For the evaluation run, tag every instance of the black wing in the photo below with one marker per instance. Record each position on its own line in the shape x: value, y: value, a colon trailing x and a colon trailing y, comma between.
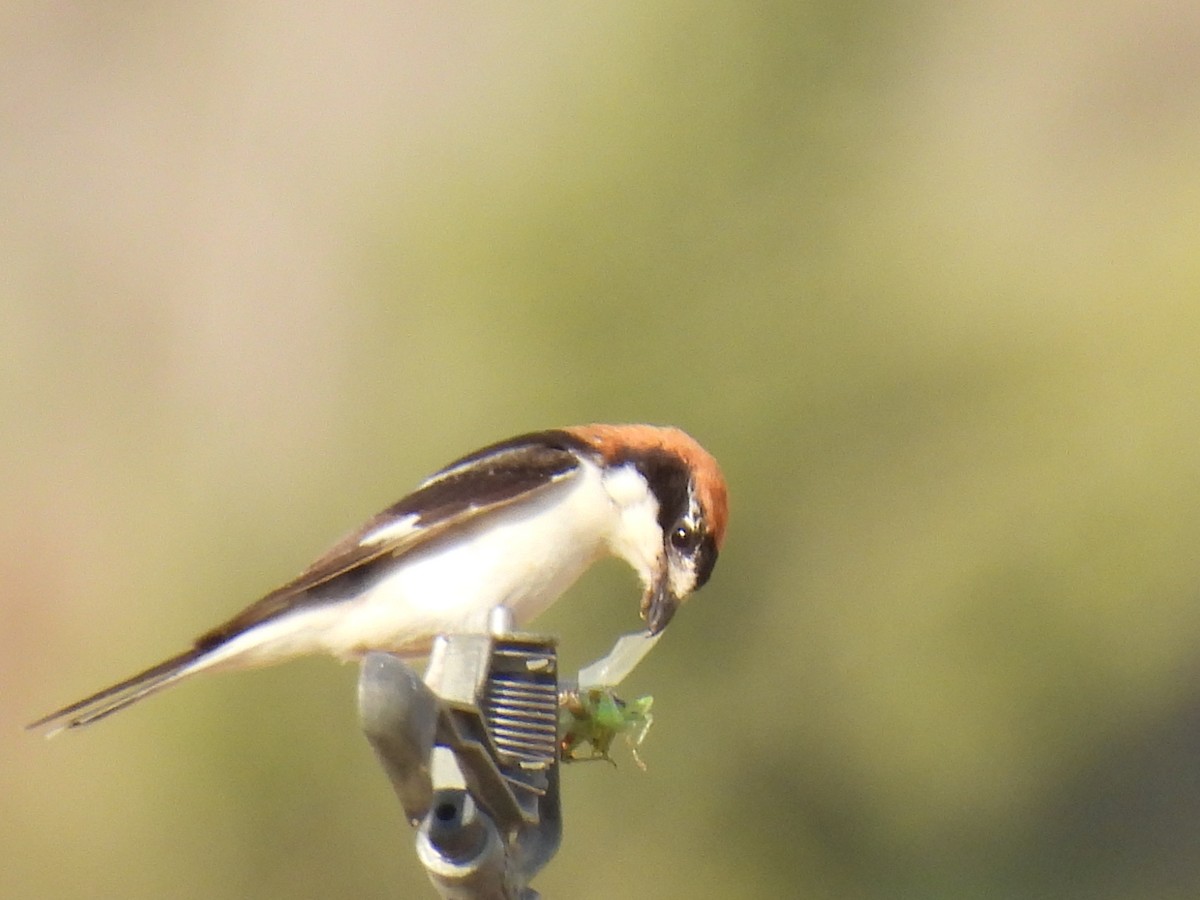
x: 475, y: 486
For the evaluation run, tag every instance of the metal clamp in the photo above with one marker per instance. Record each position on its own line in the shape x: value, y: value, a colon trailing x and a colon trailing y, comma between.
x: 472, y: 753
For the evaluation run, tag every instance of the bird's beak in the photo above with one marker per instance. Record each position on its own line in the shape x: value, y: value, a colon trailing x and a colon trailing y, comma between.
x: 658, y: 606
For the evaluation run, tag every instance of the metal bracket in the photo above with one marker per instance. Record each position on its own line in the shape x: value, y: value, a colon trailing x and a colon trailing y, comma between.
x: 472, y: 753
x: 472, y: 750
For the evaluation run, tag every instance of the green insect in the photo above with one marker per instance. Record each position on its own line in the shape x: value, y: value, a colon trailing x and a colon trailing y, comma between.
x: 595, y: 716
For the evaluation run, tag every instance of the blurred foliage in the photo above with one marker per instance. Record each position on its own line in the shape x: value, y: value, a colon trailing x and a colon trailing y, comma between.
x: 924, y: 280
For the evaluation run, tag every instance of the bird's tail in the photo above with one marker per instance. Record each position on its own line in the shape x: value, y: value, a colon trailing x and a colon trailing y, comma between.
x: 120, y: 695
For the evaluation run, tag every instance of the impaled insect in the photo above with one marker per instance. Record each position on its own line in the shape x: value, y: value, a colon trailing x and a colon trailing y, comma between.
x: 595, y: 716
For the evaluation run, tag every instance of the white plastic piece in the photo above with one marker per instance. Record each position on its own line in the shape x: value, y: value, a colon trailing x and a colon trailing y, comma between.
x: 623, y: 658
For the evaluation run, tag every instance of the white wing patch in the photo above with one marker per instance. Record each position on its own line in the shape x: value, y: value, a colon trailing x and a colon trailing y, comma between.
x: 397, y: 530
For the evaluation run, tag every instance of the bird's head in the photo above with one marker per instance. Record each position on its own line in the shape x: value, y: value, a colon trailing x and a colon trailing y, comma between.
x: 692, y: 507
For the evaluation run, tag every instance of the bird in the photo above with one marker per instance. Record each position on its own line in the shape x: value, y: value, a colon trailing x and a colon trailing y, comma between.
x: 513, y: 524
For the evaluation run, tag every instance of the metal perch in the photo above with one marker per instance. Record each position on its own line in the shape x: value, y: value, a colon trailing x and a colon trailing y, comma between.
x: 472, y: 751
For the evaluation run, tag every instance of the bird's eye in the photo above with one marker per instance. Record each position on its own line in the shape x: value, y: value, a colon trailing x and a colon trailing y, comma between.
x: 685, y: 537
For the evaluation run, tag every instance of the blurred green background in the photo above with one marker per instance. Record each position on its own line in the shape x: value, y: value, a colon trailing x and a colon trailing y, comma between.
x: 924, y: 278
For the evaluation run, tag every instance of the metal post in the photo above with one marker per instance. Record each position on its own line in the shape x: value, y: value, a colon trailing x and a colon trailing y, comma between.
x: 472, y: 750
x: 472, y: 754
